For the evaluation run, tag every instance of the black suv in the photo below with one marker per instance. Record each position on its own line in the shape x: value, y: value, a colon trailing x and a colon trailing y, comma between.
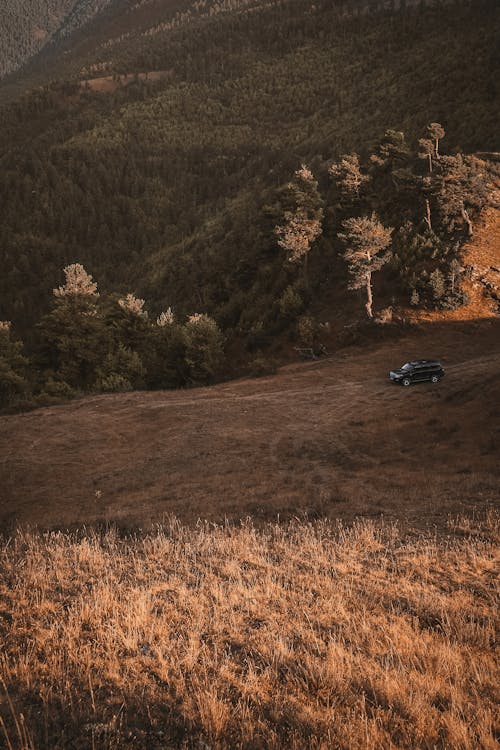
x: 418, y: 371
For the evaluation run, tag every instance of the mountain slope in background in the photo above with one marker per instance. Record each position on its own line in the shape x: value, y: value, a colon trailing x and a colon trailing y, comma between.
x: 175, y: 173
x: 29, y: 25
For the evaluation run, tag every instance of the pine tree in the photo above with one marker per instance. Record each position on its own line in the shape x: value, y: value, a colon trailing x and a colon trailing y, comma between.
x: 459, y: 187
x: 166, y: 359
x: 437, y: 283
x: 348, y: 176
x: 367, y: 241
x: 204, y: 348
x: 13, y: 367
x: 454, y: 274
x: 128, y: 322
x: 436, y: 133
x: 415, y: 298
x: 302, y: 216
x: 73, y: 338
x: 120, y: 370
x: 392, y: 151
x: 426, y: 151
x: 78, y: 283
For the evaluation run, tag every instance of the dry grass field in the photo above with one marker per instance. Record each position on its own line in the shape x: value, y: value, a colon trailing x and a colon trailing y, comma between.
x: 303, y: 626
x: 299, y: 635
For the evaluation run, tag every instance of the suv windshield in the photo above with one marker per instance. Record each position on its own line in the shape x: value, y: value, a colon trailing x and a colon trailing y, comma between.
x: 407, y: 366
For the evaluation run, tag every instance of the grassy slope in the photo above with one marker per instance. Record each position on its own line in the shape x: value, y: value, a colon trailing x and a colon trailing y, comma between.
x: 306, y: 636
x: 331, y: 438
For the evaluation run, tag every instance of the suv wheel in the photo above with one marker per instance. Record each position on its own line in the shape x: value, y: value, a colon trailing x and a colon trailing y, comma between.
x: 434, y: 379
x: 406, y: 381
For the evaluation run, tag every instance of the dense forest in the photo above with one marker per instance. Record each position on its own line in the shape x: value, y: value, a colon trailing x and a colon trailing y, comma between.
x: 28, y: 25
x: 240, y: 188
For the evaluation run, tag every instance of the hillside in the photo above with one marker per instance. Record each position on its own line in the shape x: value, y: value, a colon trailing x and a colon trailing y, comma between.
x: 331, y: 438
x: 481, y: 258
x: 328, y: 438
x: 167, y: 185
x: 30, y: 25
x: 207, y: 542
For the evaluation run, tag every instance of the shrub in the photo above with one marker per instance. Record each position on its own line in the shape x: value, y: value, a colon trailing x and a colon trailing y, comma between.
x: 454, y: 301
x: 113, y: 383
x: 384, y: 316
x: 166, y: 361
x: 437, y: 284
x: 290, y: 303
x: 121, y: 370
x: 306, y: 330
x: 260, y: 366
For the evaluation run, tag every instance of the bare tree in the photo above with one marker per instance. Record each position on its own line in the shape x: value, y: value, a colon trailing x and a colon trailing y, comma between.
x: 367, y: 242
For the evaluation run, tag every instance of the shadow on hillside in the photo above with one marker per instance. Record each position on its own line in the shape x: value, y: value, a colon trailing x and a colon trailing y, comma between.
x: 331, y: 438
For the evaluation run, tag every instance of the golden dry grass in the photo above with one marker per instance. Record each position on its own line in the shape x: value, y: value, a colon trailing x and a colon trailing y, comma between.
x: 304, y: 635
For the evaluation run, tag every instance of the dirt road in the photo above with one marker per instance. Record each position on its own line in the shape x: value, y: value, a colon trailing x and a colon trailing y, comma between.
x: 331, y: 438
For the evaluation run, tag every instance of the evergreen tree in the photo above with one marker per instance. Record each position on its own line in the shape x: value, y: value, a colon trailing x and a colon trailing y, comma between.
x: 436, y: 133
x: 13, y: 367
x: 367, y: 241
x: 73, y: 338
x: 437, y: 283
x: 392, y: 151
x: 348, y: 176
x: 459, y: 187
x: 415, y: 298
x: 128, y: 322
x: 454, y: 274
x: 426, y: 151
x: 166, y: 362
x: 204, y: 348
x: 302, y: 216
x: 120, y: 370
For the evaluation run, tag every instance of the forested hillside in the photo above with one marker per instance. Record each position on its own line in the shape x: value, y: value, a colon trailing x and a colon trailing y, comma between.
x: 185, y: 187
x: 28, y: 25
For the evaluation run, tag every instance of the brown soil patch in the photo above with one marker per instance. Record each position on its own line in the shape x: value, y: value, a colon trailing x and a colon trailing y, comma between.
x: 328, y: 438
x: 108, y: 84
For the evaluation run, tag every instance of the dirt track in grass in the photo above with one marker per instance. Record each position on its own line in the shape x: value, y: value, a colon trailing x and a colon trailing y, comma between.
x: 328, y: 438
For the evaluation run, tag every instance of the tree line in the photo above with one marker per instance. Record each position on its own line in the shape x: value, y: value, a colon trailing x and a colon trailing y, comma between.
x: 431, y: 198
x: 407, y: 210
x: 88, y: 343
